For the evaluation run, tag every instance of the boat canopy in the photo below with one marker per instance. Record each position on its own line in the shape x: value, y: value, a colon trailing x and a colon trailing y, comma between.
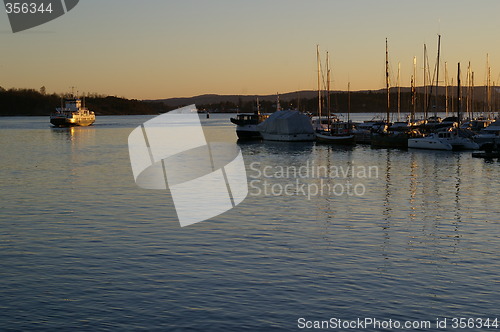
x: 287, y: 122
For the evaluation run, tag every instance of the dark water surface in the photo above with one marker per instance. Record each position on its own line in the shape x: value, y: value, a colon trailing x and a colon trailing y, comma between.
x: 83, y: 248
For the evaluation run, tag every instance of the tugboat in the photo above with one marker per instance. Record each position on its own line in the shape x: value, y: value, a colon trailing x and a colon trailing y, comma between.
x: 246, y: 124
x: 72, y: 114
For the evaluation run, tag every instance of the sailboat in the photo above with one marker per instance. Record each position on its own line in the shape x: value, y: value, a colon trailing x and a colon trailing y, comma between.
x: 476, y: 124
x: 337, y: 132
x: 449, y: 139
x: 386, y: 136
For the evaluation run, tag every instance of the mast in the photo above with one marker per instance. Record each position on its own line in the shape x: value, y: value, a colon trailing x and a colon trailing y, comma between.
x: 452, y: 100
x: 319, y: 82
x: 489, y: 86
x: 413, y: 89
x: 348, y: 107
x: 387, y: 82
x: 472, y: 96
x: 399, y: 92
x: 459, y: 97
x: 437, y: 75
x: 446, y: 83
x: 468, y: 100
x: 425, y: 82
x: 328, y: 89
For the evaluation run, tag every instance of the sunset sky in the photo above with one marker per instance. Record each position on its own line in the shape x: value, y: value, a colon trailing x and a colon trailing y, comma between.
x: 160, y: 49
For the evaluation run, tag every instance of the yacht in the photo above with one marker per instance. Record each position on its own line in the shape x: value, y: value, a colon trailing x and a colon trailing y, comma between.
x: 450, y: 139
x: 489, y: 135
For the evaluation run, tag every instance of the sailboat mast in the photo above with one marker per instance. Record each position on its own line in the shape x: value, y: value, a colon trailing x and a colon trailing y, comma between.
x: 319, y: 82
x: 452, y: 100
x: 349, y: 107
x: 399, y: 92
x: 413, y: 90
x: 328, y: 89
x: 425, y: 82
x: 489, y: 86
x: 472, y: 95
x: 468, y: 100
x: 446, y: 84
x: 387, y: 82
x: 459, y: 97
x: 437, y: 75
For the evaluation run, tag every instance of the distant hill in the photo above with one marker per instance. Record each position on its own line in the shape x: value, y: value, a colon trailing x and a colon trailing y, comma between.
x: 361, y: 101
x: 235, y: 99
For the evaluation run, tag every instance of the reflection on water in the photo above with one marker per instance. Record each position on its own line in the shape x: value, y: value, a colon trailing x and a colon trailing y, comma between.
x: 76, y: 134
x: 83, y: 246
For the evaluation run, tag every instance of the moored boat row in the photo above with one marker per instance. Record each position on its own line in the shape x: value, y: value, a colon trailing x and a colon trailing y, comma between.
x: 430, y: 132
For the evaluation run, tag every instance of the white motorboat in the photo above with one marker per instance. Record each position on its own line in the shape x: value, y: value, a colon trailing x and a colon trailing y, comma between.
x: 489, y: 135
x: 443, y: 140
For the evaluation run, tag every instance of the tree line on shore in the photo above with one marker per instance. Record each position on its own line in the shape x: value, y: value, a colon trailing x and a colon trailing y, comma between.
x: 355, y: 102
x: 24, y: 102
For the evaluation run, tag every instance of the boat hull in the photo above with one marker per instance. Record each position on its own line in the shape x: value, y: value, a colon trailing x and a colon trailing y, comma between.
x: 486, y: 155
x: 362, y: 137
x: 332, y: 139
x: 399, y: 141
x: 428, y: 144
x: 288, y: 137
x: 65, y: 122
x: 248, y: 132
x: 443, y: 141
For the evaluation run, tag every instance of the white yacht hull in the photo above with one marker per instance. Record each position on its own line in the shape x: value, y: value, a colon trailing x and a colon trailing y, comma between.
x: 344, y: 139
x: 429, y: 144
x: 437, y: 143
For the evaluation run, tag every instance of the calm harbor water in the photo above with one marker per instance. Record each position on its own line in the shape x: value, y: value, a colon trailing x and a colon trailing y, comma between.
x: 83, y: 248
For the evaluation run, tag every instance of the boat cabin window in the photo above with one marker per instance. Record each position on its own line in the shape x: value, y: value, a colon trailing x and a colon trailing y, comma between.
x: 444, y: 135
